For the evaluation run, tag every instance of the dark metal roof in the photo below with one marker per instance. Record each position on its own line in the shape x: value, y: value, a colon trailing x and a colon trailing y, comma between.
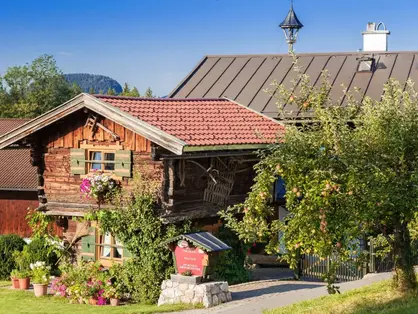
x: 243, y: 78
x: 16, y: 171
x: 291, y: 20
x: 203, y: 240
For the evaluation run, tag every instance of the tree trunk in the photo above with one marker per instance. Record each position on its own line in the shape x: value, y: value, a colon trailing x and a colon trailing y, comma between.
x: 404, y: 279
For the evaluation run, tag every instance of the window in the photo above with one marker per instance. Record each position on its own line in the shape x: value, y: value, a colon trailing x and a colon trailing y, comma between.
x: 105, y: 160
x: 366, y: 64
x: 109, y: 249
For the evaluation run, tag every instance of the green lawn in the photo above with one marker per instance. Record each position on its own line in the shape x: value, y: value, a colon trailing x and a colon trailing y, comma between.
x: 22, y: 302
x: 377, y: 298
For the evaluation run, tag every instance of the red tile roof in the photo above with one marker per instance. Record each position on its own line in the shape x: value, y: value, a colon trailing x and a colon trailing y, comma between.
x: 16, y: 171
x: 201, y: 122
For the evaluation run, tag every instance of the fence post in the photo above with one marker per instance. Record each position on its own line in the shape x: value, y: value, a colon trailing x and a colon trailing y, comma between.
x: 298, y: 271
x: 372, y: 264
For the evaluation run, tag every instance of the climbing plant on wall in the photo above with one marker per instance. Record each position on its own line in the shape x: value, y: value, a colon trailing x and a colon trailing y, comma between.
x: 137, y: 224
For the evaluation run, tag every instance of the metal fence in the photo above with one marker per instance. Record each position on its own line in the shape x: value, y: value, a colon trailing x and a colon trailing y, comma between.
x: 314, y: 267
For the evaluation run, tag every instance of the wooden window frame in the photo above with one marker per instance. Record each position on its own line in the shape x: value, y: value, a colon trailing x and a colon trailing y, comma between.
x: 108, y: 261
x: 103, y: 149
x: 102, y: 162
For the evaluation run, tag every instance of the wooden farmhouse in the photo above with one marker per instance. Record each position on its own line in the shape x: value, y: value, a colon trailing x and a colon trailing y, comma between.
x: 201, y: 150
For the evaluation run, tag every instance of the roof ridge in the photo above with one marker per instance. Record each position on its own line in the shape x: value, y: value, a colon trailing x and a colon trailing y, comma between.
x: 158, y: 99
x: 329, y: 53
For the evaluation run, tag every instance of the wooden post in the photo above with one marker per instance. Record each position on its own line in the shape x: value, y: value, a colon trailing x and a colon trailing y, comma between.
x: 37, y: 156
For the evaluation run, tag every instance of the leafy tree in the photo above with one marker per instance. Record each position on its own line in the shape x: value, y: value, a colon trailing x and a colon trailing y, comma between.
x: 91, y: 90
x: 32, y: 89
x: 352, y: 172
x: 75, y: 89
x: 149, y: 93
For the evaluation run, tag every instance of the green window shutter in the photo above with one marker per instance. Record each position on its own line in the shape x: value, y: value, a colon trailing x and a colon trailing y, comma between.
x: 123, y: 163
x: 77, y: 158
x: 88, y: 246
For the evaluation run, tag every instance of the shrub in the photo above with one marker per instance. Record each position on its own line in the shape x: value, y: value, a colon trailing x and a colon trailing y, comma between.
x: 43, y: 250
x: 231, y: 265
x: 9, y: 244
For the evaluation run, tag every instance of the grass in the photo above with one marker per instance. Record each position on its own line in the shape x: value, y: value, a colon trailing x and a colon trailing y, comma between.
x: 377, y: 298
x: 22, y: 302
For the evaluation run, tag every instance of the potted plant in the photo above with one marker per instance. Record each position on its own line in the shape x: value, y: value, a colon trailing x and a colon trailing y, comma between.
x: 94, y: 291
x: 24, y: 279
x: 40, y: 278
x: 14, y: 279
x: 23, y: 273
x: 113, y: 293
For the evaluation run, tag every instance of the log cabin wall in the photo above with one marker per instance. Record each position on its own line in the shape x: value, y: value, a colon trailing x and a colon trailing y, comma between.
x: 70, y: 132
x: 13, y: 210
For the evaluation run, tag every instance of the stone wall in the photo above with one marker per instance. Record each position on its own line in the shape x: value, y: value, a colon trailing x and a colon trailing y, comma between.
x: 209, y: 294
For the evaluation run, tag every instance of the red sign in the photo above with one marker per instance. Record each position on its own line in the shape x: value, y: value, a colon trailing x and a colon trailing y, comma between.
x: 190, y: 258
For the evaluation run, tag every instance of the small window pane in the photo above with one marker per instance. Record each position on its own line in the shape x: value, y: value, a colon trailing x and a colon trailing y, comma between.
x: 96, y: 156
x: 117, y: 253
x: 105, y: 250
x: 110, y: 157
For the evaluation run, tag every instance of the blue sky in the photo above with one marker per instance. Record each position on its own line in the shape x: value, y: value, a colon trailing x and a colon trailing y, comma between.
x: 157, y: 42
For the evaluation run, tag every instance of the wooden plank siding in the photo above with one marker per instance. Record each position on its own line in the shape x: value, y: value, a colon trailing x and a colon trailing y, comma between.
x: 13, y: 210
x: 70, y: 132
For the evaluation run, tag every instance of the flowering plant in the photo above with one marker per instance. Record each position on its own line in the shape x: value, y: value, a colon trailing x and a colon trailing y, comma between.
x: 98, y: 185
x: 95, y: 290
x: 59, y: 287
x: 112, y: 291
x: 40, y: 273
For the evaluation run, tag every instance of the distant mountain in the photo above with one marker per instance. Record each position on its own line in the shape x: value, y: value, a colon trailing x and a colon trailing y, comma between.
x: 97, y: 82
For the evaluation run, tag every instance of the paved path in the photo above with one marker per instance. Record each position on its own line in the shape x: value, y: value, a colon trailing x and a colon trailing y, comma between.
x: 255, y: 297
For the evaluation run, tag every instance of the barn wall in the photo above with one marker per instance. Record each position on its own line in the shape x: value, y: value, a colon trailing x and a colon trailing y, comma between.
x: 13, y: 210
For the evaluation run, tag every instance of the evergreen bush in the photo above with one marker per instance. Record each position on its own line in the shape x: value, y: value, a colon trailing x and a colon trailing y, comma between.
x: 231, y: 265
x: 9, y: 244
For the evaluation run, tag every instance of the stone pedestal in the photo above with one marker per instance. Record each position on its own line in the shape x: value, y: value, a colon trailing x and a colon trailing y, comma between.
x: 209, y: 293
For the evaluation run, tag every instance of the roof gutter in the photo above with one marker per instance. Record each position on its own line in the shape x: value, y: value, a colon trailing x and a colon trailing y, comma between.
x: 19, y: 189
x: 188, y: 149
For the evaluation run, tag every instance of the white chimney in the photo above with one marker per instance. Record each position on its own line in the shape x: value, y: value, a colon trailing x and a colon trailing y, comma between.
x: 375, y: 38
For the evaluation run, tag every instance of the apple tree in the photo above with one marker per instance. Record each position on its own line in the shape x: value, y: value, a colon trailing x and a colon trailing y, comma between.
x: 350, y: 171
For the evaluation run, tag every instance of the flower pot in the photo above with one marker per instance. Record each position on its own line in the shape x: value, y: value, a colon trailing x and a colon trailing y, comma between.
x: 15, y: 283
x: 40, y: 289
x: 24, y: 283
x: 114, y: 302
x: 93, y: 301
